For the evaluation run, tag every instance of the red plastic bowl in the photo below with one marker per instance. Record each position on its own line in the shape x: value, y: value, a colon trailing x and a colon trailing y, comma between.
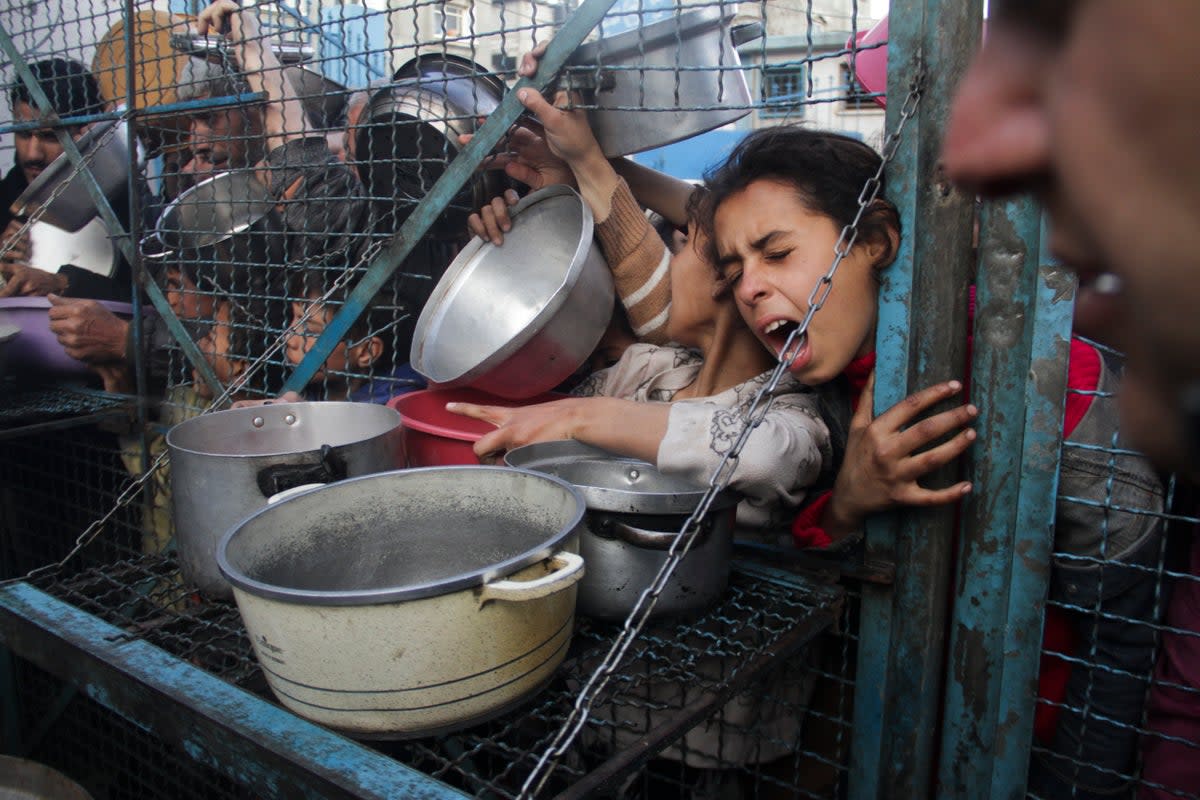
x: 434, y: 437
x: 35, y: 348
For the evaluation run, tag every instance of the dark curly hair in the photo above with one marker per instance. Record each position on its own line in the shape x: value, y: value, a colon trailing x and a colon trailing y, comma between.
x: 827, y: 171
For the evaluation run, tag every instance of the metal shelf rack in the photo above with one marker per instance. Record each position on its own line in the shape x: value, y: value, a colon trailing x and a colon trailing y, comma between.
x: 134, y: 637
x: 27, y: 409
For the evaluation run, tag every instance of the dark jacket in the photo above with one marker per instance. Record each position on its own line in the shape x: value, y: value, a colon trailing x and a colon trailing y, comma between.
x: 1108, y: 543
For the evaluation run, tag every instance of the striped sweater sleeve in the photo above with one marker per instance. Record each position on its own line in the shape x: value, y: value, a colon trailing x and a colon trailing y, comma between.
x: 640, y: 264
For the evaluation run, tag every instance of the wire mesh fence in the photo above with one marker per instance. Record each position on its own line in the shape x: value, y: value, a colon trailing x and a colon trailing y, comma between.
x: 269, y: 162
x: 264, y: 167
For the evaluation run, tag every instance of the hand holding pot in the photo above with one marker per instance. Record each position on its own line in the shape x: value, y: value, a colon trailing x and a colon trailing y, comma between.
x: 882, y: 464
x: 87, y: 330
x: 18, y: 245
x: 22, y: 280
x: 493, y: 221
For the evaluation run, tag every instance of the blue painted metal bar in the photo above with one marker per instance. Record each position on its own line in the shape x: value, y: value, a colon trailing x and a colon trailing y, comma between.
x: 308, y: 24
x: 184, y: 107
x: 272, y: 751
x: 572, y: 33
x: 1022, y: 341
x: 120, y: 236
x: 921, y: 340
x: 1045, y: 396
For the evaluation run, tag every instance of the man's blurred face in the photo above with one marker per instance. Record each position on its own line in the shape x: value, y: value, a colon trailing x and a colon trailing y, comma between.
x: 35, y: 149
x: 221, y: 139
x: 1095, y: 105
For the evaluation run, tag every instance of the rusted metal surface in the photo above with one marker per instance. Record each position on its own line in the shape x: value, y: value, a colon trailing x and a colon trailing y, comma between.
x: 1022, y: 335
x: 921, y: 340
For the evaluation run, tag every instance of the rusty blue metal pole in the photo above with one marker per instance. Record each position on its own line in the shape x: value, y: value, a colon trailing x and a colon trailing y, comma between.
x: 1022, y: 339
x: 921, y: 341
x: 572, y: 33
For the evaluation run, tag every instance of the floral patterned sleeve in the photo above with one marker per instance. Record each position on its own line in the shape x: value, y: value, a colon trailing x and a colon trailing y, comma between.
x: 782, y: 457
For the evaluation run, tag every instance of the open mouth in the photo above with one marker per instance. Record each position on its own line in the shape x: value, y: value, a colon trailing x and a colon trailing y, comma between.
x: 777, y: 333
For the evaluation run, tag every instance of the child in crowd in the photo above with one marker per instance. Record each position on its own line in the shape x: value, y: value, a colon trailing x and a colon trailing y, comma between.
x: 361, y: 368
x: 680, y: 405
x: 764, y: 200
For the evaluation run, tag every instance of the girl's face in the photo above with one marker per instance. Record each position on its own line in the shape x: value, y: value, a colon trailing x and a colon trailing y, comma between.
x: 216, y: 347
x: 693, y: 282
x: 772, y: 250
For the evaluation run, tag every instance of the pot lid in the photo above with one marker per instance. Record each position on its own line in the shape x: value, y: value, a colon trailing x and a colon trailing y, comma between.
x: 611, y: 482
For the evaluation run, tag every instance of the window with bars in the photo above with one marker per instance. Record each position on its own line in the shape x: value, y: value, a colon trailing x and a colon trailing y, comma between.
x: 854, y: 96
x: 784, y: 90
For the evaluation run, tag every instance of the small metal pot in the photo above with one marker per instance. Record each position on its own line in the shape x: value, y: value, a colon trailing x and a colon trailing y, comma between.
x: 664, y: 82
x: 412, y: 602
x: 408, y: 135
x: 226, y: 465
x: 518, y: 319
x: 229, y: 220
x: 635, y: 514
x: 106, y: 152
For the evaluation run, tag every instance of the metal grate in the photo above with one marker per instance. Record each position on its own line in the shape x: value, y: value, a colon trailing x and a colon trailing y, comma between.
x: 1110, y: 697
x: 679, y: 675
x: 28, y: 409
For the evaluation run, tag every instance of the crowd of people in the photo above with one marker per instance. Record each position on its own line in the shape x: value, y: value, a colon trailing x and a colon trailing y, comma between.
x: 708, y: 304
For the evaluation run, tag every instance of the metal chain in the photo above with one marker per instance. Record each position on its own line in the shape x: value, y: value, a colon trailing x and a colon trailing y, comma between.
x: 721, y: 475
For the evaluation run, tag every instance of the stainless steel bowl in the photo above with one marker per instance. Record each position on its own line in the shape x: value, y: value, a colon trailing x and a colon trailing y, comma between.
x: 518, y: 319
x: 70, y: 207
x: 664, y: 82
x: 229, y: 220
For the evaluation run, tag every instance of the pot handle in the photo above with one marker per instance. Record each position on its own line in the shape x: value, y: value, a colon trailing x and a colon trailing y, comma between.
x: 612, y: 528
x: 568, y: 570
x: 747, y: 32
x: 295, y: 490
x: 280, y: 477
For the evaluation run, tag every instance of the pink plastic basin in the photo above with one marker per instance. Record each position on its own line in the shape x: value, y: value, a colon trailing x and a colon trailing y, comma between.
x: 434, y: 437
x: 35, y: 348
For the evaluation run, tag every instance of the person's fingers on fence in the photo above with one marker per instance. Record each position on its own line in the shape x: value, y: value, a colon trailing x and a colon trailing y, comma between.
x: 917, y: 495
x: 529, y: 62
x: 909, y: 408
x: 864, y: 413
x: 930, y: 430
x: 920, y: 464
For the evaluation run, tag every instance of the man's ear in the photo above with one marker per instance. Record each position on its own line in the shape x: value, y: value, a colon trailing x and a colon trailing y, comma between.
x: 366, y: 352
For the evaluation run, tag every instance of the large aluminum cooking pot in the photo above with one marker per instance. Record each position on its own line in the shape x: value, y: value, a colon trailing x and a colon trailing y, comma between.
x: 229, y: 220
x: 412, y: 602
x: 664, y: 82
x: 635, y: 513
x: 105, y: 149
x: 518, y: 319
x: 408, y: 135
x: 226, y: 465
